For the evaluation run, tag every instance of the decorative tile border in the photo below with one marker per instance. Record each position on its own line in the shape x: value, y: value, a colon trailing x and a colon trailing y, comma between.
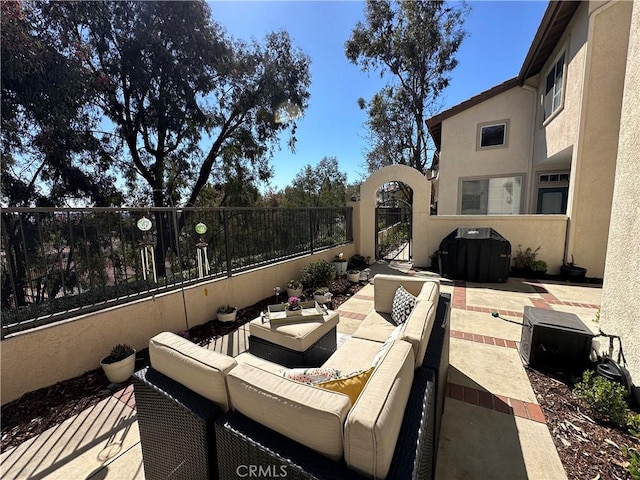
x: 547, y: 300
x: 498, y: 403
x: 353, y: 315
x: 126, y: 396
x: 362, y: 296
x: 474, y: 337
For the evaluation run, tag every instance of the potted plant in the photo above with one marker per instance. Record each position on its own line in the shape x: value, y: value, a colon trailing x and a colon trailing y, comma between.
x: 119, y: 365
x: 227, y: 313
x: 294, y: 288
x: 353, y: 276
x: 340, y: 264
x: 322, y: 295
x: 293, y: 306
x: 318, y: 274
x: 571, y: 271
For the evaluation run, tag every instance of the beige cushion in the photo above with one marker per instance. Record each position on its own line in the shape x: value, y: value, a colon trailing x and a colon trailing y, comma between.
x: 295, y: 336
x: 197, y: 368
x: 376, y: 326
x: 250, y: 359
x: 373, y: 424
x: 417, y: 329
x: 430, y: 291
x: 385, y: 286
x: 355, y: 354
x: 309, y: 415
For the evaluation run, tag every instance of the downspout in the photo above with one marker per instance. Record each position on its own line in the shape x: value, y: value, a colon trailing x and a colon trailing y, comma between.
x: 530, y: 201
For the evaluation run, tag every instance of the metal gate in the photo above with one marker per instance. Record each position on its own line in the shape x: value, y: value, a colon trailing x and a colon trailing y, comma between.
x: 393, y: 231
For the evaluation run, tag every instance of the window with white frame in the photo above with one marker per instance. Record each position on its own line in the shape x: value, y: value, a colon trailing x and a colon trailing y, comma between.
x: 492, y: 135
x: 491, y: 196
x: 553, y: 87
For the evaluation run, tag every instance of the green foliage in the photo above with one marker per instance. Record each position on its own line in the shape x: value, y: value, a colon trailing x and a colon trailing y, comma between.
x: 294, y: 284
x: 321, y: 186
x: 226, y: 309
x: 605, y: 400
x: 318, y: 274
x: 525, y: 260
x: 321, y: 291
x: 633, y: 457
x: 416, y: 42
x: 633, y: 424
x: 539, y: 266
x: 119, y: 352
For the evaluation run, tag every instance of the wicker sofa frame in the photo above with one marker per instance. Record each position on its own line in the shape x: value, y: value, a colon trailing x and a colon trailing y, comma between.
x: 185, y: 436
x: 316, y: 354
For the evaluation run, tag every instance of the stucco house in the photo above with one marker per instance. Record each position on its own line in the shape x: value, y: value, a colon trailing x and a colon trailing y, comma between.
x: 546, y: 141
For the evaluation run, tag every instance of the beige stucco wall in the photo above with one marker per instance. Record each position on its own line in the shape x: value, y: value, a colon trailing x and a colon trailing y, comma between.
x: 459, y: 156
x: 49, y: 354
x: 593, y: 173
x: 621, y: 289
x: 545, y: 231
x: 559, y: 132
x: 420, y: 209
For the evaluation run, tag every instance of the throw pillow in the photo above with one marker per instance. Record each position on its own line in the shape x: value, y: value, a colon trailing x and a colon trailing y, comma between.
x: 393, y: 336
x: 351, y: 385
x: 310, y: 375
x: 403, y: 303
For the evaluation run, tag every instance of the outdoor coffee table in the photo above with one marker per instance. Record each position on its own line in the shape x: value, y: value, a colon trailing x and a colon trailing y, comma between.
x: 301, y: 343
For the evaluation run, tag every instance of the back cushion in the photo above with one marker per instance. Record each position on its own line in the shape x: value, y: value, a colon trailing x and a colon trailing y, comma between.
x: 417, y: 329
x: 197, y: 368
x: 372, y: 427
x: 385, y: 286
x: 430, y: 291
x: 309, y: 415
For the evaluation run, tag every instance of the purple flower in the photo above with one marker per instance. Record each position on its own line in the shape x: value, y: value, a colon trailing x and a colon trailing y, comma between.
x: 293, y: 300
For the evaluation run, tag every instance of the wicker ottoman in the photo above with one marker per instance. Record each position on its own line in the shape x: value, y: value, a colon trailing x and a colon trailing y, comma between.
x: 303, y: 344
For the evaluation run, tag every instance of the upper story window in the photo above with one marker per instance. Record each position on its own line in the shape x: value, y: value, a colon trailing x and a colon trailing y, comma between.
x: 492, y: 135
x: 553, y: 87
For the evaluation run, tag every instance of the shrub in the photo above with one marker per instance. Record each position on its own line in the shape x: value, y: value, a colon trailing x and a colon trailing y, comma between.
x: 318, y: 274
x: 524, y: 260
x: 539, y: 266
x: 604, y: 399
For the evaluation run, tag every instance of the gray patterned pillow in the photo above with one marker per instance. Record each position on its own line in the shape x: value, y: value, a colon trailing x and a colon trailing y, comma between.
x: 403, y: 303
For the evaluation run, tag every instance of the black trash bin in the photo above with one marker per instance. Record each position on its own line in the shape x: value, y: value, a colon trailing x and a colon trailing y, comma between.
x: 475, y: 254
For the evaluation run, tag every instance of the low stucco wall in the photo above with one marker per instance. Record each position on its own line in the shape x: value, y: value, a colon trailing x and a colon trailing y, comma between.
x: 50, y: 354
x: 620, y: 293
x: 546, y: 231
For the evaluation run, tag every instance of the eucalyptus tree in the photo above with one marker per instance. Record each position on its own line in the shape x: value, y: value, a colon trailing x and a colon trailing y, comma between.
x: 323, y: 185
x: 180, y: 97
x: 413, y: 43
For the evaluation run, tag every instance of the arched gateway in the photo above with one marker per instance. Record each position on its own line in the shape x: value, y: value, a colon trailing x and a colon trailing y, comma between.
x: 420, y: 209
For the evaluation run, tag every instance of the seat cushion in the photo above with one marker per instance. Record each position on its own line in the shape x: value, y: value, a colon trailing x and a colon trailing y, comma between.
x: 376, y: 327
x: 417, y: 329
x: 201, y: 370
x: 294, y: 336
x: 373, y: 424
x: 308, y: 415
x: 354, y: 354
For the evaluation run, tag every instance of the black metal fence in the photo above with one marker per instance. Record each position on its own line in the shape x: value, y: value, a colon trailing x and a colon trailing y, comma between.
x: 60, y: 262
x: 393, y: 238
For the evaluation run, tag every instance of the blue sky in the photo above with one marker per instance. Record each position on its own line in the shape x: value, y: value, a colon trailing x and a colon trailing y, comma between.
x: 499, y: 36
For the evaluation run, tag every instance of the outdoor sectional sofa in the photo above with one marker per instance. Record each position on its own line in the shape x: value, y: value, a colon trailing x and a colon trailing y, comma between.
x: 202, y: 414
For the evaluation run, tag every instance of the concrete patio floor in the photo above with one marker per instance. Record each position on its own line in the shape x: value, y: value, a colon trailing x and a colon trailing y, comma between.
x: 493, y: 427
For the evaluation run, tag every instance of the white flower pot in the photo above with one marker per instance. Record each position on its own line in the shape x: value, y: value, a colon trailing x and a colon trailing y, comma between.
x: 227, y: 317
x: 294, y: 293
x: 120, y: 371
x: 353, y: 277
x: 321, y: 299
x: 341, y: 268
